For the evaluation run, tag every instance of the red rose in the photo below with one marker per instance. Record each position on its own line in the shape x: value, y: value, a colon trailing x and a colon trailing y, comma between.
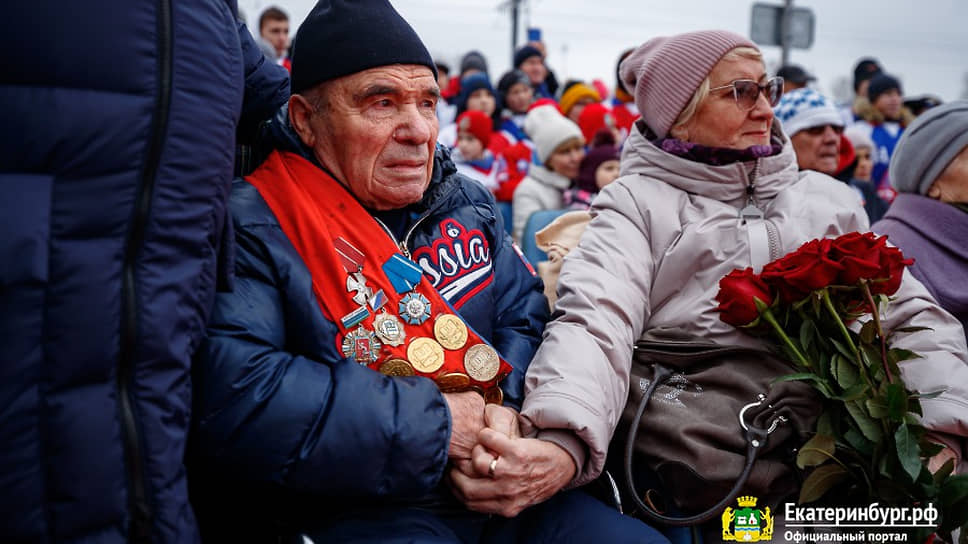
x: 807, y: 269
x: 736, y: 293
x: 859, y: 254
x: 892, y: 269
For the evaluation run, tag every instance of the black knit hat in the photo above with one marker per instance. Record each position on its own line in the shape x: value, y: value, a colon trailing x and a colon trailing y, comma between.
x: 511, y: 78
x: 524, y: 53
x: 880, y: 84
x: 343, y: 37
x: 865, y: 69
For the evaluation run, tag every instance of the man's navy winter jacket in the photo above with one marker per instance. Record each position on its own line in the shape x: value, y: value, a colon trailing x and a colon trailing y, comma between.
x: 118, y: 124
x: 287, y: 429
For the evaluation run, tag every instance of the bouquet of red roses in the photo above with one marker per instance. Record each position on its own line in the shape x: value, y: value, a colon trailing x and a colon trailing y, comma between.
x: 869, y: 445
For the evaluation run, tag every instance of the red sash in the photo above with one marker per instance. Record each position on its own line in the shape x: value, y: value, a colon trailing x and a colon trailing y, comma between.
x: 342, y: 244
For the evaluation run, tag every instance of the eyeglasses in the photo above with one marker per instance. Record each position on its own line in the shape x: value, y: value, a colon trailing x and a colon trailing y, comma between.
x: 747, y: 91
x: 818, y: 130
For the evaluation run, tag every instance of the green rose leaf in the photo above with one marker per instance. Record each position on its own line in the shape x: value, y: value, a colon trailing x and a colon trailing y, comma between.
x: 816, y: 451
x: 820, y: 481
x: 908, y: 452
x: 867, y: 426
x: 897, y: 402
x: 844, y: 371
x: 868, y: 332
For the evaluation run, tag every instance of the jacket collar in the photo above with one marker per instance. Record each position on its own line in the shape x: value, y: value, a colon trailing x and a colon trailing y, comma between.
x: 546, y: 177
x: 726, y: 183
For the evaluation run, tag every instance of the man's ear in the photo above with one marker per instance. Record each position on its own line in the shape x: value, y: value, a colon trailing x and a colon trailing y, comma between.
x: 300, y: 113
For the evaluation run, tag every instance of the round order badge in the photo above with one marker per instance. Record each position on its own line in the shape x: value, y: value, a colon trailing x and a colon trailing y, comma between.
x: 389, y: 329
x: 426, y: 355
x: 415, y: 308
x: 396, y: 367
x: 362, y: 346
x: 481, y: 362
x: 450, y: 331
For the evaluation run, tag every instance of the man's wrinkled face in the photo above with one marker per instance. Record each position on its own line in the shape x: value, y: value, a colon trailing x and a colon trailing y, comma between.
x: 376, y: 131
x: 818, y: 148
x: 276, y: 32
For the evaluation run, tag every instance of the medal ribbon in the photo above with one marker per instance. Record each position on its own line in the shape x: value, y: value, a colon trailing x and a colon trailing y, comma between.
x: 336, y: 239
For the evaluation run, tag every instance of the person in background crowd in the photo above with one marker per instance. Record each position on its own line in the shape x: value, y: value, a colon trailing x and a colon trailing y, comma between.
x: 476, y: 94
x: 530, y: 60
x: 858, y: 172
x: 446, y: 112
x: 310, y: 420
x: 516, y: 95
x: 116, y: 236
x: 794, y: 77
x: 929, y: 218
x: 471, y: 156
x: 665, y: 232
x: 920, y: 104
x: 623, y: 103
x: 598, y: 126
x: 864, y: 70
x: 575, y: 95
x: 599, y: 168
x: 885, y: 120
x: 814, y: 127
x: 471, y: 63
x: 274, y: 31
x: 559, y: 147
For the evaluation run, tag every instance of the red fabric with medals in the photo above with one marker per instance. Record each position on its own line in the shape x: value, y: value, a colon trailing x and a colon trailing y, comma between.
x: 389, y: 315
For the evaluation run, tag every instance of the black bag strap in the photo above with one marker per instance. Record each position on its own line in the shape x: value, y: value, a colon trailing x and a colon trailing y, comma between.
x: 755, y: 439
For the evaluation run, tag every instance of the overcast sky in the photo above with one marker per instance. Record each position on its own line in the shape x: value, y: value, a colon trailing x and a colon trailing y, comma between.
x: 923, y: 42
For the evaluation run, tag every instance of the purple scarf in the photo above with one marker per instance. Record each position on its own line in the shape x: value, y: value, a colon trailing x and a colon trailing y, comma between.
x: 716, y: 156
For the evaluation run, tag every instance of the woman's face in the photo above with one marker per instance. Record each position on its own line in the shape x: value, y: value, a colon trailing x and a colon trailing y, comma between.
x: 481, y: 100
x: 718, y: 121
x: 865, y: 164
x: 952, y: 185
x: 566, y: 160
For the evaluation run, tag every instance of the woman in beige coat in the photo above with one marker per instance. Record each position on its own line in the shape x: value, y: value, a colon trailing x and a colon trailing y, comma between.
x: 661, y: 237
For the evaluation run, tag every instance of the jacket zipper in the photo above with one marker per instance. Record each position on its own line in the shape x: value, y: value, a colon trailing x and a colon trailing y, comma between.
x: 771, y: 231
x: 140, y: 511
x: 402, y: 244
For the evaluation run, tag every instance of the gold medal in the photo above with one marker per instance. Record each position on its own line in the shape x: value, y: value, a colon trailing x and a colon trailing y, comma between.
x: 453, y: 382
x: 481, y: 362
x: 494, y: 395
x: 396, y: 367
x: 426, y: 355
x: 450, y: 331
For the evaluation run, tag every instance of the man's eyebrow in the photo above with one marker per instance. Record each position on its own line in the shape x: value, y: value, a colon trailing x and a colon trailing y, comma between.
x: 432, y: 91
x: 377, y: 89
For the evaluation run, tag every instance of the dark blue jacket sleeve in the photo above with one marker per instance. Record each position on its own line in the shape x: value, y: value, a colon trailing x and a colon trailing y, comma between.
x: 521, y: 313
x: 317, y: 423
x: 266, y: 87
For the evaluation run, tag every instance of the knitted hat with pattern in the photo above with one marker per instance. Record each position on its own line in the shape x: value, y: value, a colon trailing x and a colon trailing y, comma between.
x: 801, y: 109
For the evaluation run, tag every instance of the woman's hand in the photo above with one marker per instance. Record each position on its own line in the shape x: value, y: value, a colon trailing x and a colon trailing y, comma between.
x: 527, y: 471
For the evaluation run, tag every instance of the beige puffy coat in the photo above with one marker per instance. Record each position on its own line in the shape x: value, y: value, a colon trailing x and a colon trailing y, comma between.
x: 660, y: 238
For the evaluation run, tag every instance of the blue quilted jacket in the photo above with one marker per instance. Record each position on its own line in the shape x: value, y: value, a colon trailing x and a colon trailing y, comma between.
x: 287, y: 431
x: 117, y: 135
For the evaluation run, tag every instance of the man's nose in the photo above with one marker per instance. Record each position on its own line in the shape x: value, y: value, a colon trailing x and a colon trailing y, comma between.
x: 412, y: 127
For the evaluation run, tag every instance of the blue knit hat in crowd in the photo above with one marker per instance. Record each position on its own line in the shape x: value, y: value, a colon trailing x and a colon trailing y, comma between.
x: 804, y: 108
x: 343, y: 37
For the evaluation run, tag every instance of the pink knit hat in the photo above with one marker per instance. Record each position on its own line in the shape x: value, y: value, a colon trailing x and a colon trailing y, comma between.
x: 666, y: 71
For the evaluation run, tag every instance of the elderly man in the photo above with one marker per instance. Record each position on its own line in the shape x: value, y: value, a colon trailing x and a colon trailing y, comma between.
x: 378, y: 304
x: 814, y: 126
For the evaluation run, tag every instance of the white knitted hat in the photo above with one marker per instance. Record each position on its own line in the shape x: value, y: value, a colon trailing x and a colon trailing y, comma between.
x: 548, y: 129
x: 805, y: 108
